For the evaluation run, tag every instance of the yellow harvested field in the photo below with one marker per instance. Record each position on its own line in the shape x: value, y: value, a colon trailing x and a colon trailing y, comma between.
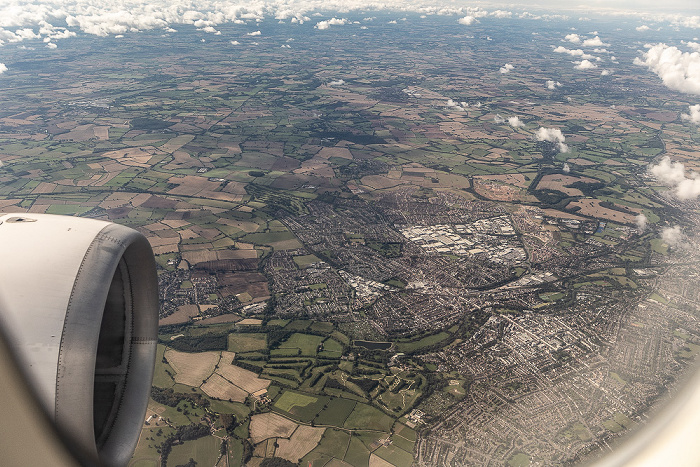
x: 191, y: 185
x: 379, y: 182
x: 304, y: 439
x: 270, y: 425
x: 327, y: 153
x: 246, y: 380
x: 250, y: 322
x: 159, y: 241
x: 84, y: 133
x: 8, y: 202
x: 175, y: 223
x: 44, y: 187
x: 376, y: 461
x: 592, y: 207
x: 237, y: 254
x: 181, y: 315
x: 192, y: 368
x: 161, y: 250
x: 511, y: 179
x: 176, y: 143
x: 286, y: 244
x: 248, y: 227
x: 560, y: 182
x: 138, y: 157
x: 199, y: 256
x: 317, y: 167
x: 219, y: 388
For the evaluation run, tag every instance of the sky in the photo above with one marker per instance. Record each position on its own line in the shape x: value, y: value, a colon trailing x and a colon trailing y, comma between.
x: 105, y: 17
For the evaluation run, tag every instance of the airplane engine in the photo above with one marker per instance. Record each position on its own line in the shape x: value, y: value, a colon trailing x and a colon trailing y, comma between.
x: 79, y: 309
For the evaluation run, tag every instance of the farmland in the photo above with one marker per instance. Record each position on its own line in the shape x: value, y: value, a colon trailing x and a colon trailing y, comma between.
x: 377, y: 244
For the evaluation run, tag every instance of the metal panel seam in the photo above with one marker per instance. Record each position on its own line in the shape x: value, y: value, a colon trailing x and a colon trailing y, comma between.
x: 100, y: 236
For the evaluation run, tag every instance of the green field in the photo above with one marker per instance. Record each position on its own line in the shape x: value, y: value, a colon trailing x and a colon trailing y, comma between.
x: 306, y: 343
x: 519, y: 460
x: 267, y: 238
x: 617, y: 423
x: 163, y: 371
x: 357, y: 453
x: 205, y: 451
x: 247, y: 341
x: 305, y: 260
x: 337, y: 411
x: 146, y: 449
x: 364, y: 416
x: 412, y: 346
x: 301, y: 406
x: 331, y: 349
x: 395, y: 455
x: 333, y: 443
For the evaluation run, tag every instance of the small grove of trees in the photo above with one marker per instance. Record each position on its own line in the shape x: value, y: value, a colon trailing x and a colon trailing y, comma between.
x: 171, y: 398
x: 277, y: 462
x: 182, y: 434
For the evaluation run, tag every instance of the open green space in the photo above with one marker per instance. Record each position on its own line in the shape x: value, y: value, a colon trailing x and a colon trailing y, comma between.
x: 300, y: 406
x: 395, y: 455
x: 519, y: 460
x: 336, y: 412
x: 307, y: 344
x: 364, y: 416
x: 247, y: 341
x: 204, y: 451
x: 415, y: 345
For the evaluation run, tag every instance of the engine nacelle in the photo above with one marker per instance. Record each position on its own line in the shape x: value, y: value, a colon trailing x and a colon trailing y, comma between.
x: 80, y: 311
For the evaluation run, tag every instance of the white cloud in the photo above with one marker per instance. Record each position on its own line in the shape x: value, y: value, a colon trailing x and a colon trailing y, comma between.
x: 51, y: 45
x: 694, y: 115
x: 641, y: 221
x: 595, y: 42
x: 574, y: 38
x: 467, y: 20
x: 672, y: 174
x: 235, y: 43
x: 693, y: 45
x: 254, y: 33
x: 515, y: 122
x: 573, y: 52
x: 498, y: 119
x: 672, y: 236
x: 667, y: 172
x: 678, y: 70
x: 331, y: 22
x: 552, y: 85
x: 338, y: 82
x: 642, y: 28
x: 605, y: 73
x: 585, y: 65
x: 506, y: 68
x: 3, y: 68
x: 565, y: 168
x: 553, y: 135
x: 501, y: 14
x: 451, y: 104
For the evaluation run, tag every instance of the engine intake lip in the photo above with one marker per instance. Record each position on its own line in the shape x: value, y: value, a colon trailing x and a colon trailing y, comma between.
x: 116, y: 286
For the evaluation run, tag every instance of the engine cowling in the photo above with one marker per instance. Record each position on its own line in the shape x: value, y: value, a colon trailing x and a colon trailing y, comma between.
x: 80, y: 311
